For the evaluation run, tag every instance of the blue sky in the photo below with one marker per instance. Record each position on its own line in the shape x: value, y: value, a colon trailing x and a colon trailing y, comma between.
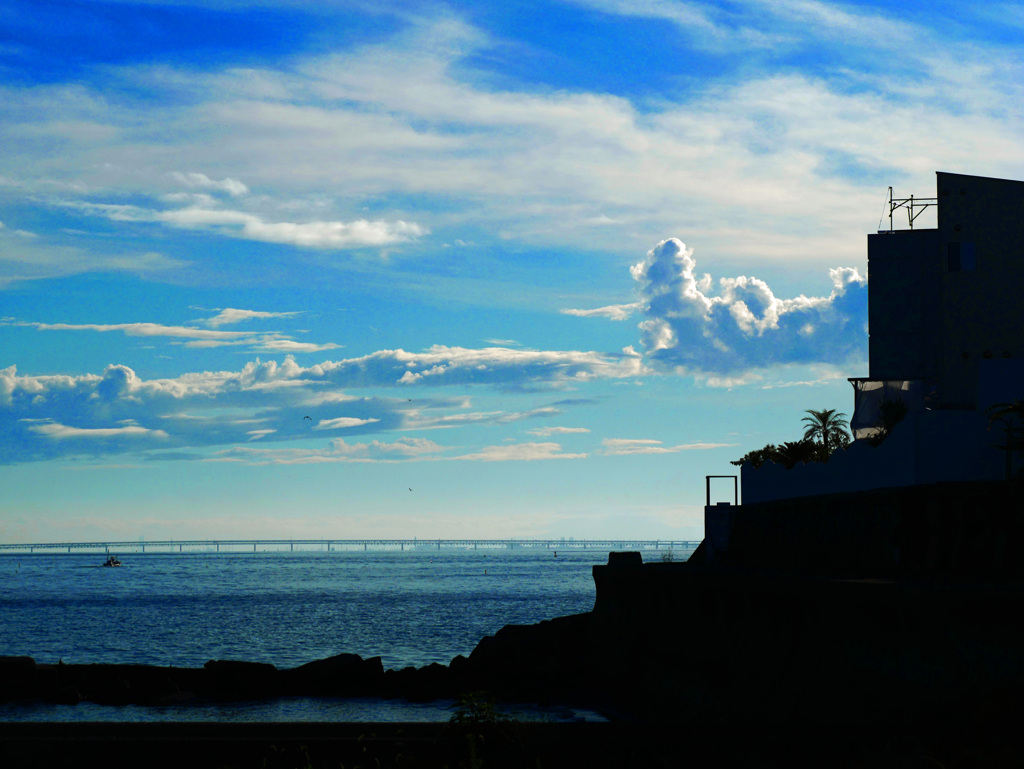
x: 530, y: 269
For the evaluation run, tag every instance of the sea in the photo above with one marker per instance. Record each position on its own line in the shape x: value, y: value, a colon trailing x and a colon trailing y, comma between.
x: 411, y: 607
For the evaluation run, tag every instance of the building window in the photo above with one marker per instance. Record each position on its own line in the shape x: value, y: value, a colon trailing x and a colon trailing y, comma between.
x: 960, y: 257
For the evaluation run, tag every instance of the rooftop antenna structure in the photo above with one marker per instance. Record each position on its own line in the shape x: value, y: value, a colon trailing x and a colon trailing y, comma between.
x: 914, y: 207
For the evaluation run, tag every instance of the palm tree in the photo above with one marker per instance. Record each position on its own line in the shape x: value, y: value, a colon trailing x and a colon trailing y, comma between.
x: 828, y: 429
x: 791, y: 452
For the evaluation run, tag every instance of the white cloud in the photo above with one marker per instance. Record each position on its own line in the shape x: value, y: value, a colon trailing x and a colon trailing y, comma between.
x: 490, y: 365
x: 612, y: 312
x: 409, y: 447
x: 341, y: 422
x: 419, y: 421
x: 59, y: 431
x: 331, y: 235
x: 248, y: 226
x: 620, y: 446
x: 409, y: 115
x: 520, y: 452
x: 744, y: 326
x: 289, y: 345
x: 26, y: 256
x: 544, y: 432
x: 340, y: 451
x: 233, y: 315
x: 231, y: 186
x: 267, y: 400
x: 146, y: 329
x: 199, y: 337
x: 502, y: 342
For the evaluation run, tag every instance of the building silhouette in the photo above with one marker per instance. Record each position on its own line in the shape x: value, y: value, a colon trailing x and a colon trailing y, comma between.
x: 946, y: 342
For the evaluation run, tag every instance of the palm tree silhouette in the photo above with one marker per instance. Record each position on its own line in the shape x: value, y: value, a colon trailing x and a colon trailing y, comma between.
x: 827, y: 428
x: 792, y: 452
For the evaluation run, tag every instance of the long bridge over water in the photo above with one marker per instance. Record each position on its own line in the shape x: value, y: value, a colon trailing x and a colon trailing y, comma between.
x: 338, y: 545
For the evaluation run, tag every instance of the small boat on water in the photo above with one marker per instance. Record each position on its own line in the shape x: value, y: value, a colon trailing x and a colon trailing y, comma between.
x: 112, y: 561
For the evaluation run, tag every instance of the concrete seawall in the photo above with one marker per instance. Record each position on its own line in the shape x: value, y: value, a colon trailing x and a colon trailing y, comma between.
x: 887, y: 606
x: 681, y: 642
x: 958, y: 530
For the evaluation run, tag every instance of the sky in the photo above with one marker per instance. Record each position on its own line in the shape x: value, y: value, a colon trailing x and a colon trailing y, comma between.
x: 521, y: 269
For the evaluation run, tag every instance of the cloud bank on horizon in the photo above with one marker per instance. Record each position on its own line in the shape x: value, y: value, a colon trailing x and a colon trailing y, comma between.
x: 46, y: 417
x: 687, y: 329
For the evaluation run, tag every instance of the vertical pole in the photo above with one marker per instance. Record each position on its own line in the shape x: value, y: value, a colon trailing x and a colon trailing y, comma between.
x: 890, y: 209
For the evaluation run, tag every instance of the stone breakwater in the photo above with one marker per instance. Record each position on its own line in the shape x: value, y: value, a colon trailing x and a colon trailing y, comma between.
x: 552, y: 652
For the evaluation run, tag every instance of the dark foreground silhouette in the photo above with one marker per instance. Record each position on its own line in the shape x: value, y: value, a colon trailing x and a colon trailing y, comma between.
x: 911, y: 652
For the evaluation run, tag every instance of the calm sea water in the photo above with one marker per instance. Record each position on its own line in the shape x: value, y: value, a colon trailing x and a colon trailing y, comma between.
x: 410, y: 608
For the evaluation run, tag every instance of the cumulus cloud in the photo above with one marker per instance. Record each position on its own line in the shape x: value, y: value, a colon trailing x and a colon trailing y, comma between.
x: 440, y: 365
x: 619, y: 446
x: 695, y: 326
